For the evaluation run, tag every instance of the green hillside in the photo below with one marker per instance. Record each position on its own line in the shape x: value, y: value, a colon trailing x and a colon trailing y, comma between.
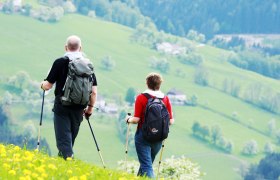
x: 17, y: 163
x: 30, y: 45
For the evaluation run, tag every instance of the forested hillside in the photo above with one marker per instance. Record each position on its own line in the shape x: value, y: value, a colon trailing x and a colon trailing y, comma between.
x: 213, y: 16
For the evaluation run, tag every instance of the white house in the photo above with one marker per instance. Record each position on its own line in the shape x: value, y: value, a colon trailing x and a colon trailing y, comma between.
x: 111, y: 108
x: 17, y: 4
x: 176, y: 97
x: 100, y: 102
x: 169, y: 48
x: 1, y: 6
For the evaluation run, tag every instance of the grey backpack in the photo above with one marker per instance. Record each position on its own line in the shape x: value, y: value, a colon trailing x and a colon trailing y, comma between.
x: 78, y: 86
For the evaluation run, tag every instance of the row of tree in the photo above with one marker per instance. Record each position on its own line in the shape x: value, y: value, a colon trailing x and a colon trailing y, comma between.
x: 51, y: 12
x: 20, y: 90
x: 267, y: 168
x: 256, y: 62
x: 212, y: 135
x: 9, y: 136
x: 116, y: 11
x: 214, y: 16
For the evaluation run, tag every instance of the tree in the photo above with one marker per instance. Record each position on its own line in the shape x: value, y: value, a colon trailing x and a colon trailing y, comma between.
x: 56, y: 14
x: 201, y: 76
x: 250, y: 148
x: 268, y: 168
x: 69, y: 7
x: 205, y: 131
x: 216, y: 133
x: 7, y: 98
x: 3, y: 116
x: 130, y: 95
x: 195, y: 36
x: 278, y: 136
x: 162, y: 64
x: 193, y: 100
x: 22, y: 79
x: 268, y: 148
x: 196, y: 127
x: 222, y: 142
x: 191, y: 59
x: 26, y: 9
x: 271, y: 125
x: 108, y: 63
x: 229, y: 146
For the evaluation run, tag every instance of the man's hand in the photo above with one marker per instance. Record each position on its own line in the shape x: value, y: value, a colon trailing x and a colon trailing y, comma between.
x: 88, y: 111
x: 45, y: 85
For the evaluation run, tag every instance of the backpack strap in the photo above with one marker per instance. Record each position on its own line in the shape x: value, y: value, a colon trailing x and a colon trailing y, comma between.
x: 147, y: 95
x: 66, y: 58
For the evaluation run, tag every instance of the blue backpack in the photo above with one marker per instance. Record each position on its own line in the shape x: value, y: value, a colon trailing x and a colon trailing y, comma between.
x: 156, y: 122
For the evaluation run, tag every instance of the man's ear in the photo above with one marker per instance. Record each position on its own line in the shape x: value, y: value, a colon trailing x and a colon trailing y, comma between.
x: 80, y: 49
x: 66, y: 49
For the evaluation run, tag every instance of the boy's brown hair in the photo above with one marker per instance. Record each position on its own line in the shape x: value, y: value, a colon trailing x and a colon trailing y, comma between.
x: 154, y: 81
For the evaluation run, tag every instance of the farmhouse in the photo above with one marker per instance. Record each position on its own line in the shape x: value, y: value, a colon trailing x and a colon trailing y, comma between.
x: 169, y: 48
x: 176, y: 97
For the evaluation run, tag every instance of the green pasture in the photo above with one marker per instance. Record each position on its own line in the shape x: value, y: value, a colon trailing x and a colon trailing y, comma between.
x: 32, y: 46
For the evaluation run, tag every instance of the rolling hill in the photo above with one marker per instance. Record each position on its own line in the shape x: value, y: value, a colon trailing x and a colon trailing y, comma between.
x: 30, y: 45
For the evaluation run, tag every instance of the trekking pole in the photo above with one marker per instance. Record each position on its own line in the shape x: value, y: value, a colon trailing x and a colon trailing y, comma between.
x: 162, y: 146
x: 126, y: 144
x: 99, y: 152
x: 40, y: 124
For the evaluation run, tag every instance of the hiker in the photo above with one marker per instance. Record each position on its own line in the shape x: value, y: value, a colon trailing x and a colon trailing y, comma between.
x: 67, y: 118
x: 147, y: 151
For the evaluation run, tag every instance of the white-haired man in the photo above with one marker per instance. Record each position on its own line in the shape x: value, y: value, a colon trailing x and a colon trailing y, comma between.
x: 67, y: 119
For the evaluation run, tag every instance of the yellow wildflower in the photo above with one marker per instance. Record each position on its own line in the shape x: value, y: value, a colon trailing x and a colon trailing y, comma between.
x: 27, y: 178
x: 16, y: 155
x: 6, y: 166
x: 30, y: 165
x: 26, y: 172
x: 2, y: 149
x: 28, y: 156
x: 69, y: 172
x: 40, y: 169
x: 12, y: 172
x: 73, y: 178
x: 44, y: 175
x: 36, y: 150
x: 69, y: 159
x: 122, y: 178
x: 83, y: 177
x: 16, y: 148
x: 52, y: 167
x: 3, y: 154
x: 34, y: 175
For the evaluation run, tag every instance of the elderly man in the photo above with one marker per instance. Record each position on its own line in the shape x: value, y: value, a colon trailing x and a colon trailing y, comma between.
x: 67, y: 119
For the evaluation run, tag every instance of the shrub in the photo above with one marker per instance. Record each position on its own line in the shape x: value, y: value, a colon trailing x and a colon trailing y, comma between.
x: 171, y: 168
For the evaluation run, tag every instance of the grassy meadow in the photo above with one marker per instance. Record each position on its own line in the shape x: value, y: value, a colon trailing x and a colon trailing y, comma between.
x: 32, y: 46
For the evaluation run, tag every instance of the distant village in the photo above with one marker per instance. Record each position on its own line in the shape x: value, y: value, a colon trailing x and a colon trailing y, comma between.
x: 175, y: 96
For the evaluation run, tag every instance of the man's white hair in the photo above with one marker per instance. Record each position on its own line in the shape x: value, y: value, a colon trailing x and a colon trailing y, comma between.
x: 74, y: 40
